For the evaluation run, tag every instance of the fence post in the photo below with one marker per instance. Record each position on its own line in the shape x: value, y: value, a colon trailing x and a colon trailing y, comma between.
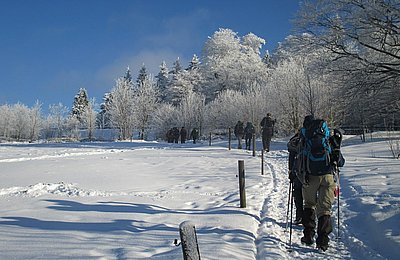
x: 242, y: 189
x: 209, y: 140
x: 262, y: 161
x: 190, y: 247
x: 229, y: 138
x: 254, y: 145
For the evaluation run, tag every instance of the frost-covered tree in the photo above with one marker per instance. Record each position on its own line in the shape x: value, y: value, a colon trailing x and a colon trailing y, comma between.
x: 89, y: 118
x: 226, y: 110
x: 179, y: 87
x: 81, y: 101
x: 57, y: 119
x: 164, y: 118
x: 103, y: 117
x: 363, y: 38
x: 162, y: 81
x: 5, y: 121
x: 121, y: 108
x: 145, y: 103
x: 35, y: 122
x: 192, y: 111
x: 231, y: 62
x: 194, y: 63
x: 142, y: 76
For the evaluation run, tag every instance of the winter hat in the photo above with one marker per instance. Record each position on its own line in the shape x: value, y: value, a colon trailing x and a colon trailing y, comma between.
x: 307, y: 120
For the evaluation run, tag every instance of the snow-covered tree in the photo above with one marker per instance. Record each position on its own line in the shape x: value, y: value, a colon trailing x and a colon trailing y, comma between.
x: 164, y: 118
x: 232, y: 63
x: 121, y: 108
x: 192, y: 111
x: 194, y: 63
x: 145, y: 103
x: 81, y: 101
x: 142, y: 76
x: 57, y: 118
x: 162, y: 81
x: 89, y: 118
x: 35, y: 122
x: 363, y: 38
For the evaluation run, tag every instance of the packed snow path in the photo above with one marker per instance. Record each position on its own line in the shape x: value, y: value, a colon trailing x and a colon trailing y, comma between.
x: 126, y: 201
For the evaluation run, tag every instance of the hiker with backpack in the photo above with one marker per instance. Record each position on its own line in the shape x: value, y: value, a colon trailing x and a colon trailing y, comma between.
x: 315, y: 170
x: 248, y: 134
x: 267, y: 131
x: 239, y: 132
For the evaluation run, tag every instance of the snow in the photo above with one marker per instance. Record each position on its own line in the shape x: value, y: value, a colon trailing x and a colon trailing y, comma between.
x: 126, y: 200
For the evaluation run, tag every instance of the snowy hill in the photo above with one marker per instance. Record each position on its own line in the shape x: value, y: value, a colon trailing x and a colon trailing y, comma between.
x: 125, y: 200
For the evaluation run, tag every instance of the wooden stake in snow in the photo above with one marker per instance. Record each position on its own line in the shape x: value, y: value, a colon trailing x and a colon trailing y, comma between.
x: 242, y: 189
x: 262, y: 161
x: 190, y: 247
x: 229, y: 138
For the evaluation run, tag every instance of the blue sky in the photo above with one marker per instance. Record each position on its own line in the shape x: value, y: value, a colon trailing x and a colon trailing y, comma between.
x: 51, y: 48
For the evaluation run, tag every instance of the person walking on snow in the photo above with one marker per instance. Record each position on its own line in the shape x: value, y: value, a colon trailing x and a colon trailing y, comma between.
x: 318, y: 181
x: 239, y: 132
x: 267, y: 127
x: 248, y: 134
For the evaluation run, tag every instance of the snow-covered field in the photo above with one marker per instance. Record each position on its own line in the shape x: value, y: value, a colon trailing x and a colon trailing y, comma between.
x: 125, y: 200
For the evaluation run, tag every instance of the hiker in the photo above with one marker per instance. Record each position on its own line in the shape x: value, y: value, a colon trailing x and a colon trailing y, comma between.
x: 183, y: 134
x: 248, y: 134
x: 175, y: 134
x: 194, y: 134
x: 316, y: 174
x: 239, y: 132
x: 296, y: 184
x: 267, y: 127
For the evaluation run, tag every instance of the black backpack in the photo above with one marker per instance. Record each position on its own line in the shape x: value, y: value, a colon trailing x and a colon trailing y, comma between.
x: 316, y: 149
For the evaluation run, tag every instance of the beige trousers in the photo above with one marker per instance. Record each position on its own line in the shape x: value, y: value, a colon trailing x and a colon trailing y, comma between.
x: 319, y: 194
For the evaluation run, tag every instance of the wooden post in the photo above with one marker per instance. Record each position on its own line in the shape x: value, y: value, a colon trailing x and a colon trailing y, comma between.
x: 229, y: 138
x: 262, y: 161
x: 254, y: 145
x: 190, y: 247
x: 242, y: 189
x: 209, y: 140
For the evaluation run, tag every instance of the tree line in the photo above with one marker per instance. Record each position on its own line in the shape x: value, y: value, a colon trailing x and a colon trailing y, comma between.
x: 342, y: 63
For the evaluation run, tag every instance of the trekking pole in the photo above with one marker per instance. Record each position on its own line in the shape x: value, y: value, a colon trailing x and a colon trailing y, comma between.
x: 291, y: 222
x: 338, y: 200
x: 288, y: 205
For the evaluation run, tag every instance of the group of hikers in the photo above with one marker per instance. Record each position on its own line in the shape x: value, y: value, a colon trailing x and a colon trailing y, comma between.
x: 314, y: 158
x: 267, y: 129
x: 174, y: 135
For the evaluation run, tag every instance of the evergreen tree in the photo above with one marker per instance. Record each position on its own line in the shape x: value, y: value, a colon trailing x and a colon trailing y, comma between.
x: 81, y: 102
x: 194, y: 63
x: 143, y: 75
x: 162, y: 81
x: 128, y: 76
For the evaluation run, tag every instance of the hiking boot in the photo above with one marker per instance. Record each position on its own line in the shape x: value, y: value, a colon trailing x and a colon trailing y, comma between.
x: 308, y: 221
x: 307, y: 240
x: 322, y: 247
x: 323, y: 230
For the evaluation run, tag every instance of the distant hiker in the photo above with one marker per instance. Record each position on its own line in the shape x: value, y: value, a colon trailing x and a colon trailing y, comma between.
x: 315, y: 171
x: 194, y: 134
x: 175, y: 134
x: 248, y: 134
x: 293, y: 145
x: 183, y: 134
x: 267, y: 127
x: 170, y: 136
x: 239, y: 132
